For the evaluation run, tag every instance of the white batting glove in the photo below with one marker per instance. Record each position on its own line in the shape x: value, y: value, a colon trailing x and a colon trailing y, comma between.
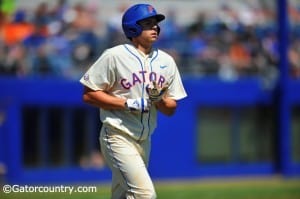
x: 155, y: 92
x: 139, y: 104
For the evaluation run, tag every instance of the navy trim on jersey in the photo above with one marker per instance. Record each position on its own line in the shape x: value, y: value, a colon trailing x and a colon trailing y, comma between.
x: 134, y: 55
x: 151, y: 69
x: 143, y: 105
x: 153, y: 59
x: 143, y: 88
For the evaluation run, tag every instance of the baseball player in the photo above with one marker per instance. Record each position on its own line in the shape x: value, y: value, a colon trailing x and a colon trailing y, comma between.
x: 130, y: 83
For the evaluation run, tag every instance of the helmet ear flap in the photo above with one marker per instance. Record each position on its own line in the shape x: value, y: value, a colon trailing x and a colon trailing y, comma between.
x: 135, y: 30
x: 132, y: 30
x: 158, y: 29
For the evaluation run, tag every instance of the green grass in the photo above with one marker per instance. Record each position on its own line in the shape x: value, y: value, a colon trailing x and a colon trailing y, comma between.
x: 232, y: 189
x: 259, y: 188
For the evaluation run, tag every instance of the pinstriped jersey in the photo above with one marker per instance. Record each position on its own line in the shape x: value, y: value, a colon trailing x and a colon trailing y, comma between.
x: 123, y: 71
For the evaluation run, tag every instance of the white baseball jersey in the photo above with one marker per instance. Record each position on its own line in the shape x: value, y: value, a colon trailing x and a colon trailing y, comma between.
x: 123, y: 71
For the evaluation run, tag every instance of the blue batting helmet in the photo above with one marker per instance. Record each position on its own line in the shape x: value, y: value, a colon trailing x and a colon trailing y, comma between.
x: 137, y: 13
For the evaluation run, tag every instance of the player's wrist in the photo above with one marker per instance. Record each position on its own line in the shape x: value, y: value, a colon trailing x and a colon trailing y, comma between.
x: 126, y: 107
x: 158, y: 102
x: 138, y: 104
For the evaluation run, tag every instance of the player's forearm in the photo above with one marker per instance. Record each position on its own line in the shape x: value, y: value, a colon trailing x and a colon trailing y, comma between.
x: 167, y: 106
x: 103, y: 100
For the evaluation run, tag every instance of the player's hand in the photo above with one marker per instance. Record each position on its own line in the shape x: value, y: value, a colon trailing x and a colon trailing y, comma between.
x: 156, y: 92
x: 139, y: 104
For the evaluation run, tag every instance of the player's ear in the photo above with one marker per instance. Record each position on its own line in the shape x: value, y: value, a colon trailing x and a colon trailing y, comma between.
x: 158, y: 29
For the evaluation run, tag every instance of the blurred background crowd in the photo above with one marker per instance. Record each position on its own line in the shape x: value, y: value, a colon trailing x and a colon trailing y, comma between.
x: 62, y: 39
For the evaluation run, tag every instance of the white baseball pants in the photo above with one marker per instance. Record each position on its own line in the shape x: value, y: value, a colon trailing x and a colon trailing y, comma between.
x: 128, y: 161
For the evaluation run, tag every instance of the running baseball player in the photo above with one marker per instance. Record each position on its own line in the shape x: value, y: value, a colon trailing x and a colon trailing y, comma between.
x: 130, y: 83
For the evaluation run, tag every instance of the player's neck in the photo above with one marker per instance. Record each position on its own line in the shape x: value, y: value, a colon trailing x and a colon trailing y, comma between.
x: 146, y: 49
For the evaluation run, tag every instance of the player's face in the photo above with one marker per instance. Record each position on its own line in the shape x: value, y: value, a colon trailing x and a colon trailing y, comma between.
x: 150, y: 29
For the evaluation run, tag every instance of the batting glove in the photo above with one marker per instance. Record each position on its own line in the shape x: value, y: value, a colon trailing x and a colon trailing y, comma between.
x: 155, y: 92
x: 139, y: 104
